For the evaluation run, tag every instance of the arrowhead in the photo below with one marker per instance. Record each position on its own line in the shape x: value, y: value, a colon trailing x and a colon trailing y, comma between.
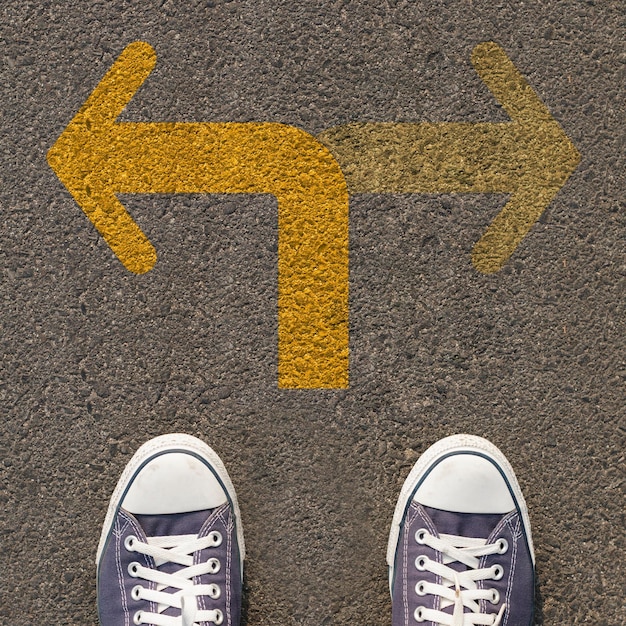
x: 549, y: 157
x: 79, y: 157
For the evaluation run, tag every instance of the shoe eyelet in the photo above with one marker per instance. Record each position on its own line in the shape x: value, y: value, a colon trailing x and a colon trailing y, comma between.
x: 129, y: 543
x: 418, y: 614
x: 420, y: 562
x: 420, y: 536
x: 503, y: 545
x: 135, y: 592
x: 497, y: 572
x: 214, y: 565
x: 495, y: 596
x: 215, y: 592
x: 420, y: 588
x: 219, y: 617
x: 137, y: 618
x: 216, y: 538
x: 133, y: 569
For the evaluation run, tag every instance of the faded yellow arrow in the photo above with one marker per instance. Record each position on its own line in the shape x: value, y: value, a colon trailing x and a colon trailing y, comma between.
x: 530, y: 157
x: 97, y: 158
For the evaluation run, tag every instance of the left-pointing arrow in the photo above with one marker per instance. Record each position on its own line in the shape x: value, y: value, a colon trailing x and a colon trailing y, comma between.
x: 97, y: 158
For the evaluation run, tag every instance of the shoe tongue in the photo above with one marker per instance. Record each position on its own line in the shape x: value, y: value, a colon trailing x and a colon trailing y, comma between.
x: 478, y: 525
x: 172, y: 523
x: 168, y: 525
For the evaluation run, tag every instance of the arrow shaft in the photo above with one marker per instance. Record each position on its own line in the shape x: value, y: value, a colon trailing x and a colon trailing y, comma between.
x: 214, y: 158
x: 428, y: 158
x: 312, y: 200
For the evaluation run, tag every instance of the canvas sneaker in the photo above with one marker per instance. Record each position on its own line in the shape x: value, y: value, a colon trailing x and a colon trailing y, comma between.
x: 171, y: 551
x: 460, y: 550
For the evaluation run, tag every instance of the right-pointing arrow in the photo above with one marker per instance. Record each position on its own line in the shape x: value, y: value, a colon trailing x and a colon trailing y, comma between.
x: 529, y: 157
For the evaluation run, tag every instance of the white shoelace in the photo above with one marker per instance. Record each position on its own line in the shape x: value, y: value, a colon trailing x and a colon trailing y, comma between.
x: 459, y: 589
x: 176, y: 549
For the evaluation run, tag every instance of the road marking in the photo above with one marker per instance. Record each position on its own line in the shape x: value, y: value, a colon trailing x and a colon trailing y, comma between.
x: 530, y: 157
x: 97, y: 158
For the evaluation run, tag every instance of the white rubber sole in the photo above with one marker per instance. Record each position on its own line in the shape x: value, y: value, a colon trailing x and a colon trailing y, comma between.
x: 176, y: 442
x: 443, y: 448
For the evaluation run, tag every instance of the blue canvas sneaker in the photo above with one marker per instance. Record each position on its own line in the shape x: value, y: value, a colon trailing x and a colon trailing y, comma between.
x: 171, y: 551
x: 460, y: 551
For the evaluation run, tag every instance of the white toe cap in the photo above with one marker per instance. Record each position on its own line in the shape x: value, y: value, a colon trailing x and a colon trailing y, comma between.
x: 173, y: 482
x: 465, y: 483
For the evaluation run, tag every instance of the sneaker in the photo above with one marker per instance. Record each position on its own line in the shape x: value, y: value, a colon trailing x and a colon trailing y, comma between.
x: 460, y: 550
x: 171, y: 550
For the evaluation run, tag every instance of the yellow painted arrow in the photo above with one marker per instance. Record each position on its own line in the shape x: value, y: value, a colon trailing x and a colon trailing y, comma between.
x: 530, y: 157
x: 97, y: 158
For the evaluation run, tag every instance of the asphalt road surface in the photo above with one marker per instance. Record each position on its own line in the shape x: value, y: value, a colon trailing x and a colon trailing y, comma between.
x: 96, y: 359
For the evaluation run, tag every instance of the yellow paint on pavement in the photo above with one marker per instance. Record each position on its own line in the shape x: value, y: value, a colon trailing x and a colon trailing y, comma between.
x: 529, y: 158
x: 97, y: 158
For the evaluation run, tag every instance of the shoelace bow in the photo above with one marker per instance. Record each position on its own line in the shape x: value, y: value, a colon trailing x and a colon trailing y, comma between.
x: 459, y: 589
x: 175, y: 549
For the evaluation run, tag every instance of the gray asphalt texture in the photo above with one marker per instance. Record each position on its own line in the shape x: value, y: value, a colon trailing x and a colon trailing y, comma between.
x: 96, y: 360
